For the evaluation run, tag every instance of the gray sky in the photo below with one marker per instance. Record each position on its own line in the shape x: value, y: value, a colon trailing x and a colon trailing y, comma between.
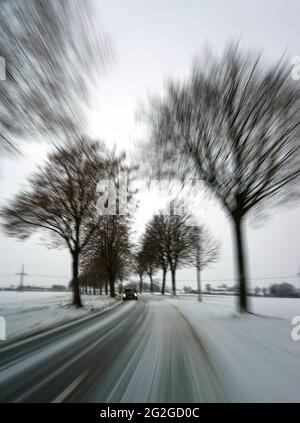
x: 154, y: 40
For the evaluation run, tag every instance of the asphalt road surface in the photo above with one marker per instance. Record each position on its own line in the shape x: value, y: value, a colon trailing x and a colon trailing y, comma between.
x: 139, y: 351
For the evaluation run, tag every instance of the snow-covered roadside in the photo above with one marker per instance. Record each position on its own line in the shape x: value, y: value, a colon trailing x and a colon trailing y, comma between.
x: 29, y: 312
x: 255, y: 357
x: 285, y: 308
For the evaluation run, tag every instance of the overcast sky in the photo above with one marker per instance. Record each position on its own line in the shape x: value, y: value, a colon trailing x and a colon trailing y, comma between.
x: 153, y: 40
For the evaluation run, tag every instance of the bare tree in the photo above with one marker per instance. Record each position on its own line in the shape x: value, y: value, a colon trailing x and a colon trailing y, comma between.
x: 235, y: 125
x: 110, y: 245
x: 206, y: 252
x: 209, y: 247
x: 139, y: 264
x: 180, y: 244
x: 54, y: 52
x: 171, y: 238
x: 93, y: 276
x: 121, y: 191
x: 150, y: 258
x: 156, y: 236
x: 61, y: 199
x: 208, y: 288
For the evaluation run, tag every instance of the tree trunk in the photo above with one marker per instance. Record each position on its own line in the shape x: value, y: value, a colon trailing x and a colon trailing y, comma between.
x: 112, y: 287
x: 198, y: 270
x: 95, y: 290
x: 75, y: 284
x: 163, y: 282
x: 100, y: 289
x: 106, y: 288
x: 199, y: 284
x: 240, y: 258
x: 141, y: 284
x: 173, y: 272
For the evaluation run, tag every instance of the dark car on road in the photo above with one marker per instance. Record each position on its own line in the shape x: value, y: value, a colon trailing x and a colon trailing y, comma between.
x: 130, y: 294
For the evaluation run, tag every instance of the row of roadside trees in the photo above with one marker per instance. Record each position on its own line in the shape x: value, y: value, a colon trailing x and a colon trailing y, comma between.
x: 172, y: 241
x: 63, y: 199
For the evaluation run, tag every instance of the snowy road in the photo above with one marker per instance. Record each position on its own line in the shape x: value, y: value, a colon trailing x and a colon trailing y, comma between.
x: 143, y: 351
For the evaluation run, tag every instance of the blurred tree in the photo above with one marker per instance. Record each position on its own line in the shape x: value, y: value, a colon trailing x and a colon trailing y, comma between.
x: 54, y: 52
x: 208, y: 288
x: 187, y: 289
x: 283, y: 290
x: 235, y: 125
x: 110, y: 247
x: 150, y: 257
x: 173, y: 242
x: 257, y: 291
x: 61, y: 199
x: 156, y: 237
x: 206, y: 252
x: 139, y: 264
x: 180, y: 243
x: 93, y: 276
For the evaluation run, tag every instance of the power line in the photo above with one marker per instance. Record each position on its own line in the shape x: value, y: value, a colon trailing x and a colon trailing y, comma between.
x: 48, y: 276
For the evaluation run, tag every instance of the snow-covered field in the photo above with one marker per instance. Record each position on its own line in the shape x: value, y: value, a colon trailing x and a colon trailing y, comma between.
x: 284, y: 308
x: 27, y: 312
x: 255, y: 356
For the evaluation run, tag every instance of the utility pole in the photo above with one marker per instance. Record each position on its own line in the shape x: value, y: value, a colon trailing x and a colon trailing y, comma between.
x: 21, y: 274
x: 198, y: 264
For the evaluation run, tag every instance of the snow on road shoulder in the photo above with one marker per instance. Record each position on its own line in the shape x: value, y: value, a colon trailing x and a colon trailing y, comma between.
x: 255, y: 357
x: 284, y: 308
x: 29, y: 312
